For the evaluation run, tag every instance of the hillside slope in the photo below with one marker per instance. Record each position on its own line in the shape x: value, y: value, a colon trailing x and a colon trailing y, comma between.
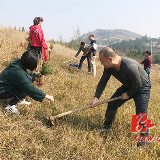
x: 30, y: 134
x: 12, y: 44
x: 111, y: 36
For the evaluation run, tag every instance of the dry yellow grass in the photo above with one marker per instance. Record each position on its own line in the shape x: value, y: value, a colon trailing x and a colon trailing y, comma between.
x: 30, y: 134
x: 12, y: 44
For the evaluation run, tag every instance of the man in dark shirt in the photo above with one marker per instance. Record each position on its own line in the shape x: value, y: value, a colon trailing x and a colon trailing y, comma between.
x: 147, y: 63
x: 92, y: 55
x: 135, y: 84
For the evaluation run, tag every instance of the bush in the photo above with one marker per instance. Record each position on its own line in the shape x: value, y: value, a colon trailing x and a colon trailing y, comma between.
x: 73, y: 45
x: 45, y: 69
x: 136, y: 54
x: 156, y: 59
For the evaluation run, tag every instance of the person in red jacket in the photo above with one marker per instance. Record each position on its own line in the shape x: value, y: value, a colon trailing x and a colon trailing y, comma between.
x: 36, y: 37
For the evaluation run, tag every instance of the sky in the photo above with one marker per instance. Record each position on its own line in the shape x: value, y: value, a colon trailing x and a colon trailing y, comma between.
x: 62, y: 18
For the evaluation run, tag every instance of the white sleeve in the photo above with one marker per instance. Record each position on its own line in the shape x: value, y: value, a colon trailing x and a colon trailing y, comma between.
x: 95, y: 46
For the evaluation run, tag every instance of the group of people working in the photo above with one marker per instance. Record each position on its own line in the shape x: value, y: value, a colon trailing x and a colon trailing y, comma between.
x: 89, y: 52
x: 135, y: 81
x: 16, y: 81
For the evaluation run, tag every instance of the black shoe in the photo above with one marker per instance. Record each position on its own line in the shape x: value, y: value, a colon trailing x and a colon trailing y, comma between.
x: 142, y: 142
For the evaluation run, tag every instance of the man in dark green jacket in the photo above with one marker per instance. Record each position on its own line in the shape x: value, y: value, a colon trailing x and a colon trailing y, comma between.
x: 16, y: 81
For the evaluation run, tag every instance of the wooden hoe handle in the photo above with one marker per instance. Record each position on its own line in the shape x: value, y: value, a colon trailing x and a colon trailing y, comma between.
x: 88, y: 106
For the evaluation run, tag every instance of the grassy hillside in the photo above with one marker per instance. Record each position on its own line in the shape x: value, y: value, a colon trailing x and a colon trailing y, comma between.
x: 111, y: 36
x: 30, y: 134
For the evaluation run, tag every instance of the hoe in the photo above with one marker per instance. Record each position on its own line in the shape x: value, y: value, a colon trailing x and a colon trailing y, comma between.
x: 52, y: 118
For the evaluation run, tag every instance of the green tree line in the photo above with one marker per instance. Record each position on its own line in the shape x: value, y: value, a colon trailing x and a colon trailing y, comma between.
x: 136, y: 48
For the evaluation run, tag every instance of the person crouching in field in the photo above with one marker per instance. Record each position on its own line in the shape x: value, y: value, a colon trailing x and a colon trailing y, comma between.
x: 16, y: 81
x: 135, y: 84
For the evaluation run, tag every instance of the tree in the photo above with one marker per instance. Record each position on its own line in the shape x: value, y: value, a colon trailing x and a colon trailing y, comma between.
x: 23, y: 30
x: 77, y: 35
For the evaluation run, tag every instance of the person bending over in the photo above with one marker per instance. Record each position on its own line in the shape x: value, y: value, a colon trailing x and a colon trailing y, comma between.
x: 83, y: 47
x: 135, y: 84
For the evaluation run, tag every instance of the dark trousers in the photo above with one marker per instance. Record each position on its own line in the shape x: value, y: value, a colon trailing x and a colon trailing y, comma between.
x: 81, y: 61
x: 141, y: 98
x: 16, y: 94
x: 38, y: 49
